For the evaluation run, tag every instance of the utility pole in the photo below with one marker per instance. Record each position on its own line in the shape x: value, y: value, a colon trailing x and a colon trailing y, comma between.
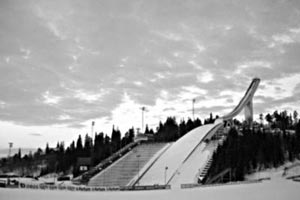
x: 193, y: 108
x: 166, y: 169
x: 10, y: 145
x: 143, y: 110
x: 92, y: 146
x: 92, y: 132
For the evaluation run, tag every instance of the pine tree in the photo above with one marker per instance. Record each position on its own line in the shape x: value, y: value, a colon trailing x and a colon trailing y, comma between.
x: 147, y: 131
x: 115, y: 140
x: 98, y: 154
x: 182, y: 128
x: 87, y: 145
x: 107, y: 146
x: 131, y: 135
x: 47, y: 150
x: 295, y: 116
x: 261, y: 118
x: 171, y: 129
x: 269, y: 119
x: 211, y: 118
x: 198, y: 122
x: 79, y: 147
x: 189, y: 125
x: 19, y: 154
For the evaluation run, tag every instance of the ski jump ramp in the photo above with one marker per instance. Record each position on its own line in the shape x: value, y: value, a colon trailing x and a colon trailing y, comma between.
x: 187, y: 155
x: 167, y: 166
x: 246, y: 103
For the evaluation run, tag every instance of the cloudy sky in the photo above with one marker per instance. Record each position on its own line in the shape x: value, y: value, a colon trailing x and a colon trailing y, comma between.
x: 66, y: 63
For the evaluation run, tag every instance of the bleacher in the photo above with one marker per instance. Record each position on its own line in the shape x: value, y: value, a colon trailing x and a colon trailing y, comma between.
x: 85, y: 177
x: 124, y: 170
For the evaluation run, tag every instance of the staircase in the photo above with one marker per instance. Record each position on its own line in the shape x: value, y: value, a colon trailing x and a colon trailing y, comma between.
x: 220, y: 176
x: 126, y: 168
x: 204, y: 171
x: 213, y: 145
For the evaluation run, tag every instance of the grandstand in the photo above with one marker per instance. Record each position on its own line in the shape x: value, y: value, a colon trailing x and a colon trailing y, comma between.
x: 125, y: 171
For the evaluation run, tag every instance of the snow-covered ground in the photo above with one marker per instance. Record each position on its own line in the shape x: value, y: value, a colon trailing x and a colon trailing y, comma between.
x: 45, y: 180
x: 268, y: 190
x: 289, y: 169
x: 278, y: 187
x: 175, y: 156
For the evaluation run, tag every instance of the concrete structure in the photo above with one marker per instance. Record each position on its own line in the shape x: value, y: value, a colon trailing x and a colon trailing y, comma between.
x: 246, y: 103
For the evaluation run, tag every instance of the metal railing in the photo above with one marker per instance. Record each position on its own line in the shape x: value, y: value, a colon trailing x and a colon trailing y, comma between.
x: 93, y: 189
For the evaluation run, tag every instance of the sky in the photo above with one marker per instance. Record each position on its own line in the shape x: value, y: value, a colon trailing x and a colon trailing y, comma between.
x: 66, y: 63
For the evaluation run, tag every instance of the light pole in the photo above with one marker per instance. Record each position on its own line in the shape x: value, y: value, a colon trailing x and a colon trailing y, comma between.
x: 193, y: 108
x: 10, y: 145
x: 92, y: 131
x: 138, y: 157
x: 91, y: 143
x: 166, y: 169
x: 143, y: 110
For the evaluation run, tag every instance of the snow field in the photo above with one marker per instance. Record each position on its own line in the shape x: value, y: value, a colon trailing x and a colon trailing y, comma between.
x: 267, y: 190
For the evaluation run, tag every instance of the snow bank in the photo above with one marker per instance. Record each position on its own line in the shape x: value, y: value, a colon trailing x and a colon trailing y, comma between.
x: 287, y: 170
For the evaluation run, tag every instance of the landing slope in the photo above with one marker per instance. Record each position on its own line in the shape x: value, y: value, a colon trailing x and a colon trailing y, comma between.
x: 176, y: 155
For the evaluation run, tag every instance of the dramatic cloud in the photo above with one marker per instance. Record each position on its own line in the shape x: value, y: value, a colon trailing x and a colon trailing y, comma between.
x: 65, y: 63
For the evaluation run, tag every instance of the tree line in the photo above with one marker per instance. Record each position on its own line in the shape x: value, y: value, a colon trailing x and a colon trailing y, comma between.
x: 246, y: 151
x: 64, y: 159
x: 281, y: 120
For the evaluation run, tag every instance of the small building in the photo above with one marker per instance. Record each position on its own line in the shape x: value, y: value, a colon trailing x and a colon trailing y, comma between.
x: 141, y: 137
x: 84, y: 163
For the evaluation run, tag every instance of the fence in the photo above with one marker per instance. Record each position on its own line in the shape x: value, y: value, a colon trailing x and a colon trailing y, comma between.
x: 94, y: 189
x: 193, y: 185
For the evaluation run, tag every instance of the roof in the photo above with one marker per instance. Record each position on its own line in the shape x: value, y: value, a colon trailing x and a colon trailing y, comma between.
x: 84, y: 161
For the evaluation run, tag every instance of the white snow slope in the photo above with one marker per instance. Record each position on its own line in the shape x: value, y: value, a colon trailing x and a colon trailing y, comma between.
x: 268, y: 190
x: 175, y: 156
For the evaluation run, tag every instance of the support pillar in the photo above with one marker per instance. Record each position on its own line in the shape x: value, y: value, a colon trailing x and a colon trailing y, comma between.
x: 248, y: 110
x: 229, y: 123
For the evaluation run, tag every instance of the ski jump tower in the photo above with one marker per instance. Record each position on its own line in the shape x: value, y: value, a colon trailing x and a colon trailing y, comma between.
x: 181, y: 161
x: 187, y: 155
x: 246, y: 103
